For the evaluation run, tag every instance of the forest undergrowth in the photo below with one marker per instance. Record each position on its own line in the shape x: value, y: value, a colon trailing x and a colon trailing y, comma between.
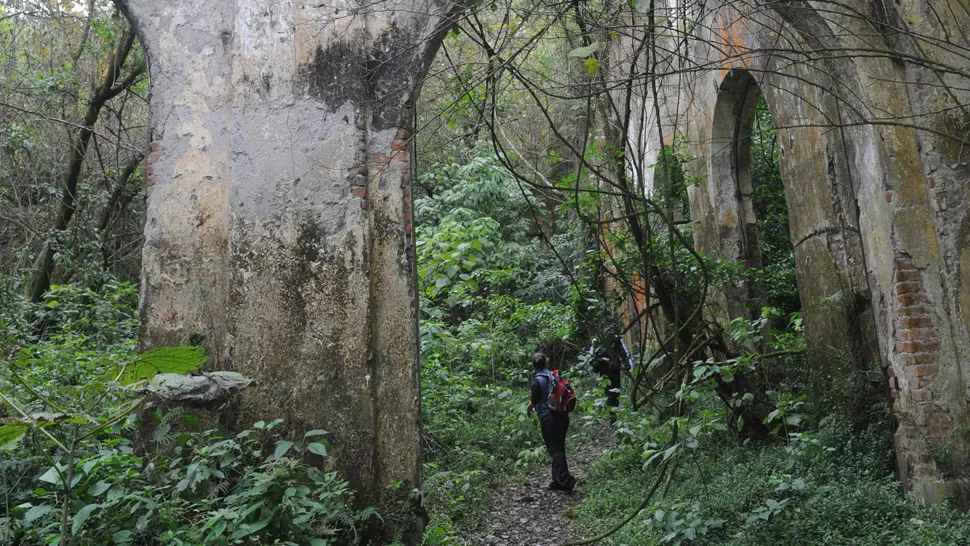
x: 535, y: 230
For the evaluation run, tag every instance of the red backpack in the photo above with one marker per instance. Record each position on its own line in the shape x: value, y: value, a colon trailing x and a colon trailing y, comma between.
x: 562, y: 398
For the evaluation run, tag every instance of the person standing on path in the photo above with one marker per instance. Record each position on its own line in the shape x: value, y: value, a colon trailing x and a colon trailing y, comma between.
x: 609, y: 361
x: 553, y: 424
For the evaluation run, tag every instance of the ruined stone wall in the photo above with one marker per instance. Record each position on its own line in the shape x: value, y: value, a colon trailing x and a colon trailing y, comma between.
x: 877, y: 193
x: 279, y: 227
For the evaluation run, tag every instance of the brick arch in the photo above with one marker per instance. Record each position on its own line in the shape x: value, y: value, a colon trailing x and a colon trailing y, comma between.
x: 878, y: 243
x: 922, y: 334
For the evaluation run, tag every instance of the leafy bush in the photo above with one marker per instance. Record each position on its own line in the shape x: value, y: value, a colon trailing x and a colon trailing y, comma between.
x: 209, y: 488
x: 844, y: 494
x: 88, y: 471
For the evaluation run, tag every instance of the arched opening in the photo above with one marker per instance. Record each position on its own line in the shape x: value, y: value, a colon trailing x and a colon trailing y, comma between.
x: 752, y: 208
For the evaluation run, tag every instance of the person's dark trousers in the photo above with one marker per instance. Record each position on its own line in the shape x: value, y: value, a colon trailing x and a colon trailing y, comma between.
x: 613, y: 390
x: 554, y: 427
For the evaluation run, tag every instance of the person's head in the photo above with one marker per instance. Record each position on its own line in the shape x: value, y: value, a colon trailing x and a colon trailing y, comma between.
x: 539, y: 361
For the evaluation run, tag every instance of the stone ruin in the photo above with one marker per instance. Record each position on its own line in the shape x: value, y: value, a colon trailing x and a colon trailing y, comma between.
x: 279, y: 210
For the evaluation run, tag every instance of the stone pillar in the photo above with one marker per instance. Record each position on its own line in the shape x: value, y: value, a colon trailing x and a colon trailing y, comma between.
x: 279, y: 212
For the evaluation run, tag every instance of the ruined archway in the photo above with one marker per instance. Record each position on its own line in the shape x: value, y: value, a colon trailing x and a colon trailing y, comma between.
x: 746, y: 175
x: 859, y: 190
x: 731, y: 181
x: 278, y: 212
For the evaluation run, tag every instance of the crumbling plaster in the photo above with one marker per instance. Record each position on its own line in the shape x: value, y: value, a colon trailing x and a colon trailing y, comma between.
x: 279, y: 228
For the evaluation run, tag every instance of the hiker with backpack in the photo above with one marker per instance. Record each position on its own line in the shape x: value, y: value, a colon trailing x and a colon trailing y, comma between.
x: 552, y: 398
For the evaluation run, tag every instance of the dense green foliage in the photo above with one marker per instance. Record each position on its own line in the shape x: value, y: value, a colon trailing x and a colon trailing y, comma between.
x: 490, y: 297
x: 98, y: 463
x: 777, y: 276
x: 534, y: 231
x: 841, y: 494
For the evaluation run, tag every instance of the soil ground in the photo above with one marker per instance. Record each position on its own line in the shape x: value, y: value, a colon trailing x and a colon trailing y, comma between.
x: 527, y: 514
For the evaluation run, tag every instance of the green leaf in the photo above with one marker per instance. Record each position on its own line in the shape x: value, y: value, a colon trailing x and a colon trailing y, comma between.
x: 82, y: 516
x: 247, y: 529
x: 98, y: 489
x: 314, y: 433
x: 35, y: 513
x: 591, y: 65
x: 51, y: 476
x: 584, y: 51
x: 281, y: 448
x: 318, y: 542
x: 318, y: 448
x: 11, y: 433
x: 177, y: 360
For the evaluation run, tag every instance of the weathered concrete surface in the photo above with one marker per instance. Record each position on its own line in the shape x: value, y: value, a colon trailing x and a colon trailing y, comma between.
x: 878, y: 209
x: 279, y: 229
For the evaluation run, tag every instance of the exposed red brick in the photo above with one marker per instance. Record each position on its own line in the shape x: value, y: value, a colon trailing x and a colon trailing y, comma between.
x: 904, y: 263
x: 908, y: 275
x: 892, y: 383
x: 889, y: 197
x: 380, y: 159
x: 399, y: 145
x: 915, y: 334
x: 926, y: 370
x: 914, y: 359
x: 359, y: 191
x: 910, y: 299
x: 915, y: 322
x: 913, y: 310
x: 908, y: 287
x: 917, y: 346
x: 156, y: 146
x: 402, y: 134
x: 920, y: 383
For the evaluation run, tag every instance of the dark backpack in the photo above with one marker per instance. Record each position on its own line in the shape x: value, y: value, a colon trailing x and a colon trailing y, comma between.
x: 562, y: 398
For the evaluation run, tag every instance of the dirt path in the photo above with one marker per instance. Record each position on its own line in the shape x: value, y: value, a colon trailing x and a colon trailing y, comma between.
x: 527, y: 511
